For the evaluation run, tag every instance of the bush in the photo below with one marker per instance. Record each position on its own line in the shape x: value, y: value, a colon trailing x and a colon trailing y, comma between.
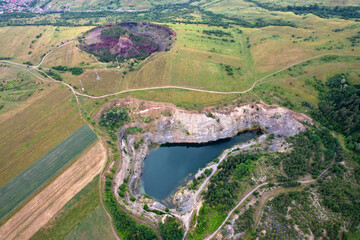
x: 171, y: 229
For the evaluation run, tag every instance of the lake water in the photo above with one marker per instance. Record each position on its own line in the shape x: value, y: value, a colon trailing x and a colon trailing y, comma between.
x: 167, y: 167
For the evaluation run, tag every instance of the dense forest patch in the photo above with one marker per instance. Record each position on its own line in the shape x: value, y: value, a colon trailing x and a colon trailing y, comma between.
x: 339, y: 108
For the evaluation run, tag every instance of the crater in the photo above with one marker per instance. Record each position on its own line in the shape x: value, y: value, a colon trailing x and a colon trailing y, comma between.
x: 127, y: 40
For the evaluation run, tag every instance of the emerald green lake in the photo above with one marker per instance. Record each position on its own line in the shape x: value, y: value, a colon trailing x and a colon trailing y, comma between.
x: 167, y: 167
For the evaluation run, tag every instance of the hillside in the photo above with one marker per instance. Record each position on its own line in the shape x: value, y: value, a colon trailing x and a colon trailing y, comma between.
x: 209, y: 119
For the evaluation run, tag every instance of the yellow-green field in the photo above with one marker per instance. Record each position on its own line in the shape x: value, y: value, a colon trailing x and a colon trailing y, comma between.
x: 26, y: 44
x: 293, y: 87
x: 199, y: 60
x: 68, y: 55
x: 311, y: 2
x: 107, y: 4
x: 34, y: 127
x: 94, y: 226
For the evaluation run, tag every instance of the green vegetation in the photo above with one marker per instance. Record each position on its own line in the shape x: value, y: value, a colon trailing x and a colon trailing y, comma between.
x: 339, y: 109
x: 223, y: 189
x: 146, y: 208
x: 114, y: 32
x: 341, y: 195
x: 218, y: 33
x: 54, y: 75
x: 124, y: 224
x: 73, y: 70
x: 34, y: 177
x: 113, y: 119
x: 171, y: 229
x: 220, y: 45
x: 95, y: 226
x: 321, y: 11
x: 245, y: 220
x: 134, y: 130
x: 74, y: 214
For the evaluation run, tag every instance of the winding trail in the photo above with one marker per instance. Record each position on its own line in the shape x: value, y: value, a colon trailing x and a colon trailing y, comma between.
x: 185, y: 218
x: 167, y: 86
x: 249, y: 194
x: 232, y: 211
x: 48, y: 53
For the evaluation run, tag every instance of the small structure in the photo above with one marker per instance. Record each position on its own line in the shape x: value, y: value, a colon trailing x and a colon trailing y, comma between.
x: 118, y: 66
x: 82, y: 86
x: 97, y: 76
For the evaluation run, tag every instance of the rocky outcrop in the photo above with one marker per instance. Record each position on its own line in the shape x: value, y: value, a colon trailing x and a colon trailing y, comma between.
x: 188, y: 127
x: 172, y: 124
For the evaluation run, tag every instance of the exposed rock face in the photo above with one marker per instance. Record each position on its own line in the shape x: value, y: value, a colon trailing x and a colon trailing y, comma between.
x: 127, y: 40
x: 176, y: 125
x: 185, y: 126
x: 171, y: 124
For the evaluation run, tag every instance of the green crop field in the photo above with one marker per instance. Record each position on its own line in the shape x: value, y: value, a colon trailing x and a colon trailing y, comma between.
x: 31, y: 179
x: 83, y: 217
x: 95, y: 226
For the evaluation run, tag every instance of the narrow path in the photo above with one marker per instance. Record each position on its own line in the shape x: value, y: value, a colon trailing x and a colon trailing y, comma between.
x: 52, y: 50
x: 232, y: 211
x: 248, y: 195
x: 175, y: 87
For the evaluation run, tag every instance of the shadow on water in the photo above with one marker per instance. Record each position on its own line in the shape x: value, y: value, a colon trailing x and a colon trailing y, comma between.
x: 172, y: 165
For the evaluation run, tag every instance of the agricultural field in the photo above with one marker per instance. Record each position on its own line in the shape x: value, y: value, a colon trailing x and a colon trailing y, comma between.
x: 227, y: 54
x: 30, y: 43
x: 32, y: 178
x: 95, y: 226
x: 50, y: 200
x: 34, y: 127
x: 78, y: 217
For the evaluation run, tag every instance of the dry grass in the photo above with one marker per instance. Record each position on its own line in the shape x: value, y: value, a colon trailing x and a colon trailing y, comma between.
x: 276, y: 47
x: 68, y: 55
x: 108, y: 83
x: 15, y: 41
x: 35, y: 127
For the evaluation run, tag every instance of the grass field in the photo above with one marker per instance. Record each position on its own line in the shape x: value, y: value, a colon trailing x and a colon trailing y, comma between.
x: 96, y: 226
x: 294, y: 87
x: 311, y: 2
x: 228, y: 62
x: 34, y: 127
x: 26, y: 183
x: 197, y: 60
x: 29, y: 43
x: 68, y: 55
x: 16, y: 86
x: 107, y: 4
x: 82, y: 209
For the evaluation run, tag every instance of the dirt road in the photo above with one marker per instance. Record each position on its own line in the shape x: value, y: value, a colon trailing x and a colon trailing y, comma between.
x: 172, y: 87
x: 38, y: 211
